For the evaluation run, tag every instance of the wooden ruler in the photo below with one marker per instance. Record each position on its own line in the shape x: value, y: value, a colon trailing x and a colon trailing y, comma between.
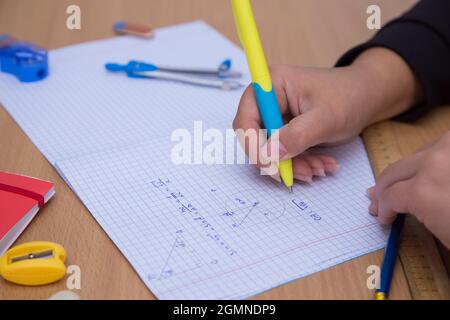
x: 421, y: 261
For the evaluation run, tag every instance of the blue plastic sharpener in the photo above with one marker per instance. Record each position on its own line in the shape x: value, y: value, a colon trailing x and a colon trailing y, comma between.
x: 27, y: 61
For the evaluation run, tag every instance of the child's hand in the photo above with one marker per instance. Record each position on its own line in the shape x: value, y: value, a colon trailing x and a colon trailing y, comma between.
x: 420, y: 185
x: 330, y: 106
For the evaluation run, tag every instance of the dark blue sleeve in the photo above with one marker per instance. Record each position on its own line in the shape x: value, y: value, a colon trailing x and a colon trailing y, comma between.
x: 422, y: 38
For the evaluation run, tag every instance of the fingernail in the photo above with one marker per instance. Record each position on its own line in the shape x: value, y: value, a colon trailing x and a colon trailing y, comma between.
x: 304, y: 178
x: 266, y: 150
x: 373, y: 208
x: 319, y: 172
x: 331, y: 168
x: 282, y: 153
x: 370, y: 192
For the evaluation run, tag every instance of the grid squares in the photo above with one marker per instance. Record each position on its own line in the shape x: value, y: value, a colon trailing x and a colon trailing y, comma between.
x: 109, y: 136
x: 269, y: 252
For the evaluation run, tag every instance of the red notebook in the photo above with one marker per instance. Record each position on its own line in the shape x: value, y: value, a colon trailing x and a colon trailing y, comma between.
x: 21, y: 197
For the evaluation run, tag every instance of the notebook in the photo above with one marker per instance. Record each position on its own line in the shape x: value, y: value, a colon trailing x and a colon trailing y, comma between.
x: 20, y: 200
x: 190, y: 231
x: 224, y: 231
x: 82, y: 108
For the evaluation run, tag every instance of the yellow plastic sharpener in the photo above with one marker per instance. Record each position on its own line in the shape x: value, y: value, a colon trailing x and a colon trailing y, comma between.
x: 34, y: 263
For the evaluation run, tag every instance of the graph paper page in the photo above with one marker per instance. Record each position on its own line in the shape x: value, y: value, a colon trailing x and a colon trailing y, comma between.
x: 82, y: 108
x: 224, y: 231
x: 247, y: 234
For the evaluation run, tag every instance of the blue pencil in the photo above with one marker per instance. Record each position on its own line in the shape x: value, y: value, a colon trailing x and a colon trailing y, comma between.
x: 390, y: 256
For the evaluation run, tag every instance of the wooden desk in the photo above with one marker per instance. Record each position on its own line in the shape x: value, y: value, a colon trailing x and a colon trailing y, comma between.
x: 307, y: 32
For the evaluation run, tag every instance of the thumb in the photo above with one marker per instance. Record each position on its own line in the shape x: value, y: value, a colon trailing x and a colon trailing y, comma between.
x: 295, y: 137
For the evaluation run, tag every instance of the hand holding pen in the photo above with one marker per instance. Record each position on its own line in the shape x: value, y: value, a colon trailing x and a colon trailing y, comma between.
x: 320, y: 106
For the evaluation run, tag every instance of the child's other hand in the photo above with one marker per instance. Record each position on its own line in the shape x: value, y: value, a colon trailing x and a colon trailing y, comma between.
x: 331, y: 106
x: 420, y: 185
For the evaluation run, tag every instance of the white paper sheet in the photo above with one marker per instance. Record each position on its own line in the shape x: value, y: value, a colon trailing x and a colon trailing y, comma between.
x: 82, y: 108
x: 224, y: 231
x: 190, y: 231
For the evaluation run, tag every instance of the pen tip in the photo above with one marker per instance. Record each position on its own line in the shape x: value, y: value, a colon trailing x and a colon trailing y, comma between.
x: 291, y: 190
x: 380, y: 295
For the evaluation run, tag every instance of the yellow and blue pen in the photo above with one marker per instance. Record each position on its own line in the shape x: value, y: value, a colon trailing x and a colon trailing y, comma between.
x: 262, y: 82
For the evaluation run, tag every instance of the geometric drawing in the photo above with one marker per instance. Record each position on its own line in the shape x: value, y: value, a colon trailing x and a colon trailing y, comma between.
x: 181, y: 258
x: 249, y: 208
